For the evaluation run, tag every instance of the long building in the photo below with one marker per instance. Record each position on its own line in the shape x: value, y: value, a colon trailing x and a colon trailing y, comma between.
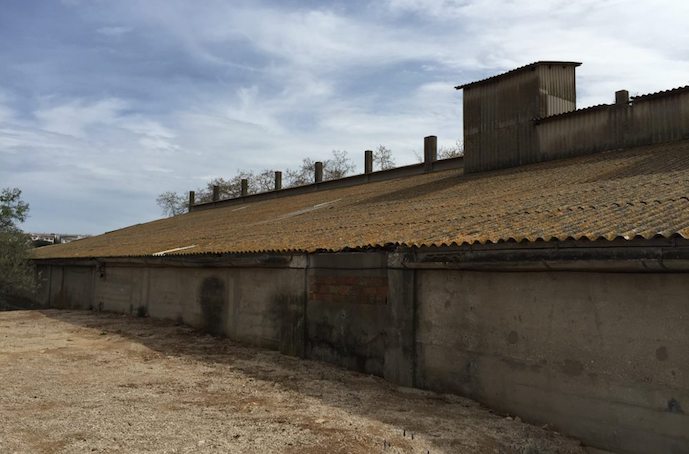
x: 543, y: 274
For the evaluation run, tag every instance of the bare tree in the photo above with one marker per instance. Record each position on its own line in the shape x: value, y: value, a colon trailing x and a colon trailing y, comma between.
x: 228, y: 188
x: 382, y: 158
x: 263, y: 181
x: 172, y: 203
x: 452, y: 151
x: 340, y: 165
x: 301, y: 175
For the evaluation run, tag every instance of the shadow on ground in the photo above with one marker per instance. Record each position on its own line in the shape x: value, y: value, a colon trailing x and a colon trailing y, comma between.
x: 449, y: 422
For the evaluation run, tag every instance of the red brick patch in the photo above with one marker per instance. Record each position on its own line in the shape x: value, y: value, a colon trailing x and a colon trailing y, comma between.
x: 349, y: 289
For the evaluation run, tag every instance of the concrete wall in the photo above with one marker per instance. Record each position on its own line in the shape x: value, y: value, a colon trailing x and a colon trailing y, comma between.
x: 70, y: 287
x: 262, y: 307
x: 599, y: 355
x: 331, y: 310
x: 346, y: 310
x: 602, y: 356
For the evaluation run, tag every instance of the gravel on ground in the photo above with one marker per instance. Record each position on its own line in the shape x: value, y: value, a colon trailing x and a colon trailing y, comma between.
x: 80, y: 381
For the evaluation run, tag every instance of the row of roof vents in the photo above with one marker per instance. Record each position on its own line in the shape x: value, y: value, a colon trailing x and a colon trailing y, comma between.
x: 430, y: 163
x: 524, y: 116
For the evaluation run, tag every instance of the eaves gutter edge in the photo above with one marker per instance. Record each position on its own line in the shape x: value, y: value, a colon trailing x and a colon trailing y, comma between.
x: 494, y: 256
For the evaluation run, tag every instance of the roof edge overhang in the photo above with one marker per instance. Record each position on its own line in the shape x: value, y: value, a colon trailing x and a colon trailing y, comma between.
x: 529, y: 67
x: 618, y: 255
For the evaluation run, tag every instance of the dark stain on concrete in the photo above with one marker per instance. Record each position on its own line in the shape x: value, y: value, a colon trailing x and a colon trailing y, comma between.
x: 673, y: 406
x: 513, y: 337
x: 515, y: 364
x: 61, y: 299
x: 661, y: 353
x: 572, y: 368
x: 213, y: 305
x: 288, y: 312
x: 341, y: 341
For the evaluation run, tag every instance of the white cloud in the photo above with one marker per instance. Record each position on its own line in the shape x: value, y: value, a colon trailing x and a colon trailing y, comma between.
x: 261, y: 86
x: 72, y: 118
x: 6, y: 114
x: 114, y: 31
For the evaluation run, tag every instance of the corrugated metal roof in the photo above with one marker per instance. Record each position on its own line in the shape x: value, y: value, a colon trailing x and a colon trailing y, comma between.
x: 573, y: 112
x: 516, y: 70
x: 658, y: 94
x: 636, y: 193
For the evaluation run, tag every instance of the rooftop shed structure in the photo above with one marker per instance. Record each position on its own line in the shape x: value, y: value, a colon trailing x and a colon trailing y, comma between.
x: 499, y: 112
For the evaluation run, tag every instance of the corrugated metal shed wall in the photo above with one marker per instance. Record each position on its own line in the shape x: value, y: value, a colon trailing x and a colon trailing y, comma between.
x: 644, y: 121
x: 498, y: 115
x: 497, y: 121
x: 658, y: 119
x: 558, y: 90
x: 577, y: 133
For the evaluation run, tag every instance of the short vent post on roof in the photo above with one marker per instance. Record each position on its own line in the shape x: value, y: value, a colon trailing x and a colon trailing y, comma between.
x: 192, y: 199
x: 368, y: 161
x: 278, y: 180
x: 430, y: 151
x: 244, y: 187
x: 216, y: 193
x: 622, y: 98
x: 318, y: 172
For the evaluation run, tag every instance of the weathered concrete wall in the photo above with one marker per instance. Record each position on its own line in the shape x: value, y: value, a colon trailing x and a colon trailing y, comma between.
x: 71, y: 287
x: 262, y: 307
x: 43, y: 279
x: 346, y: 310
x: 602, y: 356
x: 120, y: 289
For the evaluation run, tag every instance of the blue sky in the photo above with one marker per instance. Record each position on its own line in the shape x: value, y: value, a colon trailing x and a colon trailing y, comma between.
x: 104, y: 105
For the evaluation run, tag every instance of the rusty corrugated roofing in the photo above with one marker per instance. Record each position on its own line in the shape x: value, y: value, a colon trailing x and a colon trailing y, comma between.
x: 635, y: 193
x: 516, y: 70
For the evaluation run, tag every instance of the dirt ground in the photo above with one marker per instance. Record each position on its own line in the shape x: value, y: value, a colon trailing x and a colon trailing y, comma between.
x: 75, y: 381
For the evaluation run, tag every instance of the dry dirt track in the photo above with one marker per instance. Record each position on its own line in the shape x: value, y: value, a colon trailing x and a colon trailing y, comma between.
x: 88, y: 382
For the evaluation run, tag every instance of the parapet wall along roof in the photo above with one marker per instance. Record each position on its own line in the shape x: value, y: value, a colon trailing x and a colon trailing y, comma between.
x: 641, y: 192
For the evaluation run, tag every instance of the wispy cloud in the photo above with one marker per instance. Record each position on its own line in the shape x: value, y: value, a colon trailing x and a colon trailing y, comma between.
x: 113, y: 103
x: 114, y: 31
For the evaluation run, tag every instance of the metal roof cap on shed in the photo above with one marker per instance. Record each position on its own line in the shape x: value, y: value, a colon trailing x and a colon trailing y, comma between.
x: 530, y: 66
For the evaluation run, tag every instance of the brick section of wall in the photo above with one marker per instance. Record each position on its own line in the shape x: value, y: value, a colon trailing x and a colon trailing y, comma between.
x: 349, y: 289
